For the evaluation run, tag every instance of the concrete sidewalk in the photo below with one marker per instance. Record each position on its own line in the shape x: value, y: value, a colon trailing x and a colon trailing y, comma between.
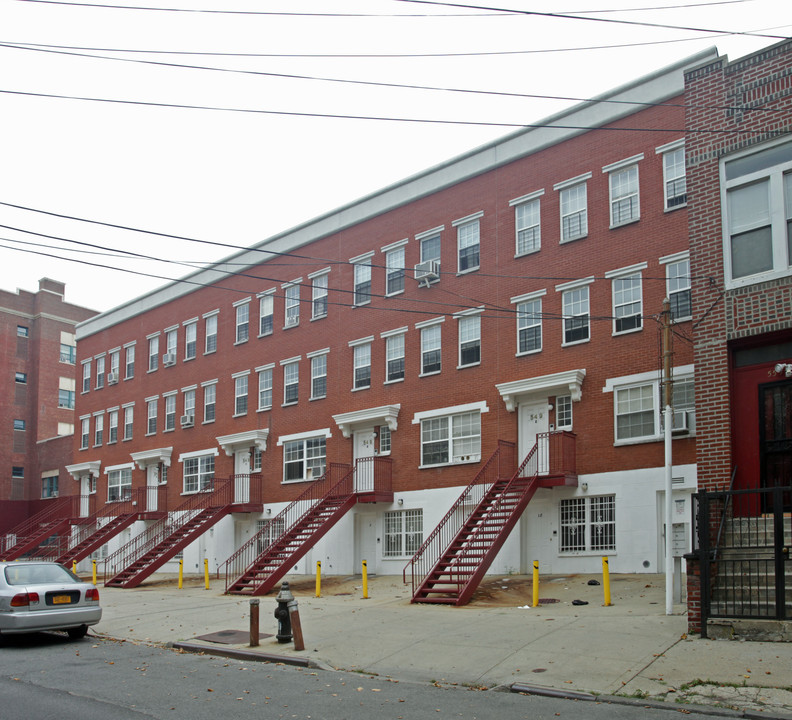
x: 630, y: 648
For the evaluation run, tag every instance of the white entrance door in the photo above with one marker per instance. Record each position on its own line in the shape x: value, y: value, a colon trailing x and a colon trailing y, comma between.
x: 85, y: 492
x: 366, y: 542
x: 533, y: 423
x: 364, y: 471
x: 152, y: 487
x: 242, y: 476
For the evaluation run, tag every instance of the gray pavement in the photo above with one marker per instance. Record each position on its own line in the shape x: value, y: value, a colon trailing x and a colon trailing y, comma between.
x: 630, y: 649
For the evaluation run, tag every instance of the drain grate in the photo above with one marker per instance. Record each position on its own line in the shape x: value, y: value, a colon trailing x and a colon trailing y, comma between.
x: 547, y: 601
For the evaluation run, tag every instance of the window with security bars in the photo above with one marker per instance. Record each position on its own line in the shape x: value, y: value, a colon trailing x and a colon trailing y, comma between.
x: 268, y: 532
x: 529, y: 236
x: 198, y: 473
x: 576, y: 315
x: 588, y: 524
x: 674, y: 178
x: 403, y: 533
x: 678, y: 282
x: 627, y: 303
x: 624, y: 202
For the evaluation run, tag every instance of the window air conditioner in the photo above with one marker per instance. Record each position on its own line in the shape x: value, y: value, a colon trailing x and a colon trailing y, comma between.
x: 187, y: 421
x: 427, y: 271
x: 169, y: 359
x: 679, y: 425
x: 112, y: 378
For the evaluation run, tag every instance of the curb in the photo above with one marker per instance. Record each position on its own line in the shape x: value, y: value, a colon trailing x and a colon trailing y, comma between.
x: 239, y: 654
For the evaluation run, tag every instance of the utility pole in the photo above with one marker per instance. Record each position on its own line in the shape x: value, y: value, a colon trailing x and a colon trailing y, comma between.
x: 668, y: 415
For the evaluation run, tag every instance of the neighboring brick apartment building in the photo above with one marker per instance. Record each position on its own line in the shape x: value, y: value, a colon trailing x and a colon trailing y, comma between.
x: 37, y: 336
x: 503, y: 294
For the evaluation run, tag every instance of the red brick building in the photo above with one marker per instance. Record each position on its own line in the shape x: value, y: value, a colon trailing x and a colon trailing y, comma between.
x: 506, y: 298
x: 37, y: 337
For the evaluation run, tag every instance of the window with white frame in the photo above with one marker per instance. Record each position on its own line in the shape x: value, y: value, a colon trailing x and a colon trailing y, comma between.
x: 362, y: 272
x: 198, y: 473
x: 674, y: 176
x: 112, y: 426
x: 468, y: 243
x: 170, y: 412
x: 362, y: 365
x: 255, y: 459
x: 394, y: 270
x: 98, y: 430
x: 190, y: 340
x: 86, y: 376
x: 431, y: 355
x: 268, y: 532
x: 209, y: 402
x: 625, y: 206
x: 292, y: 304
x: 210, y: 329
x: 527, y: 223
x: 171, y: 345
x: 563, y: 412
x: 129, y: 362
x: 529, y: 323
x: 588, y: 524
x: 129, y: 418
x: 153, y: 353
x: 264, y: 387
x: 318, y: 376
x: 636, y: 412
x: 449, y: 439
x: 384, y: 440
x: 151, y: 416
x: 266, y: 313
x: 304, y: 458
x: 119, y: 483
x: 242, y: 322
x: 85, y: 432
x: 574, y: 208
x: 394, y: 354
x: 100, y: 372
x: 319, y: 289
x: 240, y: 395
x: 189, y: 402
x: 429, y: 243
x: 115, y: 363
x: 403, y: 533
x: 469, y: 328
x: 576, y: 318
x: 678, y: 287
x: 291, y: 382
x: 757, y: 191
x: 626, y: 288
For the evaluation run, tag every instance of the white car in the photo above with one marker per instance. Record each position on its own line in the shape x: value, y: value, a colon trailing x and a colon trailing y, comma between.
x: 38, y: 596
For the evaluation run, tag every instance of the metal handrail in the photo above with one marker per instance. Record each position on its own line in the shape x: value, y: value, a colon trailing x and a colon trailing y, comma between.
x: 724, y: 514
x: 337, y: 481
x: 59, y: 509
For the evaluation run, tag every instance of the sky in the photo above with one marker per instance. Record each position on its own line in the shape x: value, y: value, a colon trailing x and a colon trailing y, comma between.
x: 144, y: 138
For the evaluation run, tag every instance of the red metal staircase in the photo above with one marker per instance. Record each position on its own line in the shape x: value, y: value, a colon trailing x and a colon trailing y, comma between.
x: 131, y: 564
x: 268, y: 556
x: 454, y: 558
x: 27, y: 536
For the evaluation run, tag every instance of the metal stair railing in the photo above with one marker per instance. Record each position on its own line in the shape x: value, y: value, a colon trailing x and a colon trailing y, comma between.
x: 59, y: 509
x: 337, y: 481
x: 432, y: 549
x: 214, y: 494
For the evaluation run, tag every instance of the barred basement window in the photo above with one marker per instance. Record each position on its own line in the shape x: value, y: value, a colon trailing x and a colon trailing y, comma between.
x: 403, y: 533
x: 588, y: 524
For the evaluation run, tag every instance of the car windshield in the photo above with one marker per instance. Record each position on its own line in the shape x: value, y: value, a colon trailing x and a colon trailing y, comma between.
x: 36, y: 574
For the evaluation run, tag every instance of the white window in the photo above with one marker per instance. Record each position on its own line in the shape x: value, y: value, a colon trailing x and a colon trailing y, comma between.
x: 678, y: 286
x: 362, y: 271
x: 129, y: 362
x: 758, y: 201
x: 574, y: 208
x: 318, y: 376
x: 115, y: 363
x: 304, y: 459
x: 198, y: 473
x: 529, y: 322
x: 625, y: 204
x: 240, y: 395
x: 384, y: 440
x: 112, y: 426
x: 451, y: 439
x: 119, y: 483
x: 189, y: 402
x: 291, y: 382
x: 468, y: 243
x: 674, y: 180
x: 100, y: 372
x: 210, y: 328
x: 266, y: 313
x: 153, y: 353
x: 431, y: 355
x: 576, y: 318
x: 190, y: 340
x: 210, y: 402
x: 242, y: 322
x: 292, y: 303
x: 85, y: 432
x: 394, y: 271
x: 626, y: 287
x: 527, y: 223
x: 170, y: 412
x: 319, y: 285
x: 563, y: 411
x: 129, y: 417
x: 264, y: 387
x: 362, y: 366
x: 588, y: 524
x: 171, y: 342
x: 469, y: 340
x: 403, y: 533
x: 98, y: 430
x: 86, y: 376
x: 429, y: 243
x: 151, y: 424
x: 394, y: 353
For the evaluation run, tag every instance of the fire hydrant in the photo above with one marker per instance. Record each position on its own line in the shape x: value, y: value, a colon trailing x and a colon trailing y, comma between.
x: 282, y: 614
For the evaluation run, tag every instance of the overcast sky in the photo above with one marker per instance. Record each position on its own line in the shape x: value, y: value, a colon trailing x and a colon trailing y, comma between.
x: 176, y: 116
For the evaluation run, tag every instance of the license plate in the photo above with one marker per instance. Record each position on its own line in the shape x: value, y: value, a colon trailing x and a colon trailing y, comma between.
x: 61, y: 600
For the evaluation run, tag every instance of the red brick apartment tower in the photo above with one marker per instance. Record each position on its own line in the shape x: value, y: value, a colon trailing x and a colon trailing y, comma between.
x: 503, y: 295
x: 37, y: 337
x: 739, y: 158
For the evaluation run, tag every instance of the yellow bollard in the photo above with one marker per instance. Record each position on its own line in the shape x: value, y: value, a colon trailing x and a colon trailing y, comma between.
x: 206, y: 572
x: 365, y: 580
x: 181, y: 572
x: 318, y: 578
x: 93, y: 562
x: 74, y: 566
x: 535, y: 583
x: 606, y: 581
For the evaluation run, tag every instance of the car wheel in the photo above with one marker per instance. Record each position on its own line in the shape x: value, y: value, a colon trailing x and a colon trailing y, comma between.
x: 77, y: 632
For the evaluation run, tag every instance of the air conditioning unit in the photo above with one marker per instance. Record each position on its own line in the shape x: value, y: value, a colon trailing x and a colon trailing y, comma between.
x: 187, y: 421
x: 292, y: 320
x: 169, y: 359
x: 427, y: 271
x: 680, y: 424
x: 112, y: 378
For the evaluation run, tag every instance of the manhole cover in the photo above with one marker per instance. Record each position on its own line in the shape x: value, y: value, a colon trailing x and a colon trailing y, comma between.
x: 547, y: 601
